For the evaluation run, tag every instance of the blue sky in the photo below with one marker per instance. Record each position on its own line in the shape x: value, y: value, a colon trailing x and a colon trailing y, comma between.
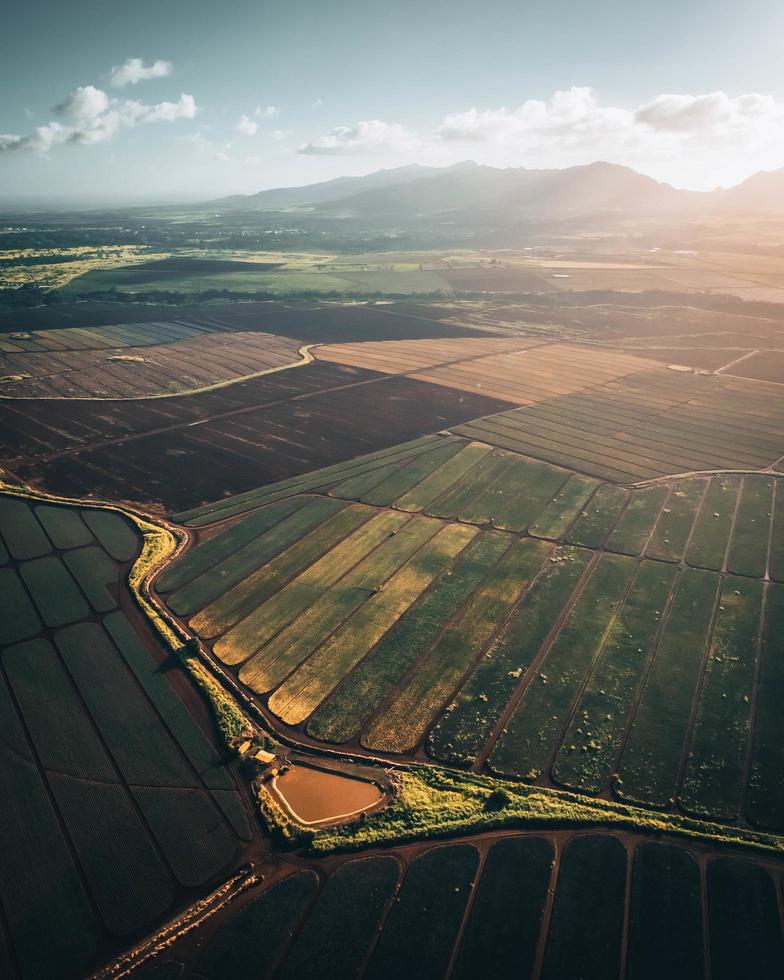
x: 689, y: 92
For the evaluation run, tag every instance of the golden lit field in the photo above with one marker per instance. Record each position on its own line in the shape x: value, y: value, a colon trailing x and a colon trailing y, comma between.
x: 521, y: 372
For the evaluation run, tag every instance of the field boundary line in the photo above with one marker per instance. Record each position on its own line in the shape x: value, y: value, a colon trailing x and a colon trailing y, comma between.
x: 547, y: 769
x: 533, y: 668
x: 304, y: 354
x: 178, y: 927
x: 457, y: 945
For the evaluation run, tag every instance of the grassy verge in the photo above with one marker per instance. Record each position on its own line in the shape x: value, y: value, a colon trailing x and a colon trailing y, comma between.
x: 435, y: 803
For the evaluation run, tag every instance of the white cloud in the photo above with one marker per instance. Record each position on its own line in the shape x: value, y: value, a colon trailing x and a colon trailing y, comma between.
x: 280, y: 134
x: 92, y: 117
x: 715, y: 114
x: 134, y: 70
x: 316, y: 103
x: 247, y: 126
x: 267, y: 111
x: 368, y: 137
x: 84, y: 104
x: 569, y: 115
x: 574, y: 118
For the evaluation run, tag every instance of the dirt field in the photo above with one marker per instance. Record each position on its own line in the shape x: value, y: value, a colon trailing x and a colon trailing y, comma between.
x: 762, y: 366
x: 144, y: 370
x: 177, y: 452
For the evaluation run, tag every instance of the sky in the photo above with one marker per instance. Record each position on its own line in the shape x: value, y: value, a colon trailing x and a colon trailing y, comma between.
x: 191, y: 99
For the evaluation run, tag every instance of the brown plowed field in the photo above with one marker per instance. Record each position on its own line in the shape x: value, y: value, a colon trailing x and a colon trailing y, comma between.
x: 162, y: 369
x: 763, y: 366
x: 521, y: 373
x: 406, y: 356
x: 177, y: 452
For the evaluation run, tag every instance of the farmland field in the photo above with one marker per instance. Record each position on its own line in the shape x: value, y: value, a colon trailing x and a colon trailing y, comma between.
x: 449, y: 601
x: 518, y: 563
x: 112, y: 782
x: 515, y: 902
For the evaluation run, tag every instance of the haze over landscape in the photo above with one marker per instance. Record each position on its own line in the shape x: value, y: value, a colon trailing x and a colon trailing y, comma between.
x: 215, y: 105
x: 392, y: 491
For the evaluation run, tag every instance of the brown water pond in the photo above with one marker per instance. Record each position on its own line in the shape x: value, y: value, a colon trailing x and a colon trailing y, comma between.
x: 316, y: 796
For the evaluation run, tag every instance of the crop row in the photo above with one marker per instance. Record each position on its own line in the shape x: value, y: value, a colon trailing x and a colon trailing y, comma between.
x: 604, y: 662
x: 723, y: 522
x: 644, y: 426
x: 111, y: 786
x: 526, y: 907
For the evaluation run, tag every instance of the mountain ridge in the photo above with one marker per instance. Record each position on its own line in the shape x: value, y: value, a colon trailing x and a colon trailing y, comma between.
x: 468, y: 190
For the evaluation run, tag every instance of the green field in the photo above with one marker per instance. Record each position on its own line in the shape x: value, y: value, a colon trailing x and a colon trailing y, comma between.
x: 113, y: 790
x: 561, y: 637
x: 506, y: 907
x: 133, y: 279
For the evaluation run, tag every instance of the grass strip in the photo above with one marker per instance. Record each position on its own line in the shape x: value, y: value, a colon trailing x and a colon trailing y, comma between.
x: 438, y: 672
x: 714, y: 778
x: 458, y: 737
x: 434, y: 802
x: 631, y: 533
x: 595, y: 732
x: 712, y: 530
x: 652, y: 755
x: 598, y: 517
x: 425, y: 917
x: 301, y: 694
x: 532, y: 733
x: 342, y: 716
x: 239, y: 567
x: 670, y: 537
x: 558, y: 516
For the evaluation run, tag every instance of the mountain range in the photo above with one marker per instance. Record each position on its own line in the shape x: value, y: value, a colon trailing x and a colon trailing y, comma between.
x: 469, y: 191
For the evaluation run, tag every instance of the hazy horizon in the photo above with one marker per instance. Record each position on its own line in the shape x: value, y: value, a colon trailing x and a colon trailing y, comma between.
x: 219, y: 105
